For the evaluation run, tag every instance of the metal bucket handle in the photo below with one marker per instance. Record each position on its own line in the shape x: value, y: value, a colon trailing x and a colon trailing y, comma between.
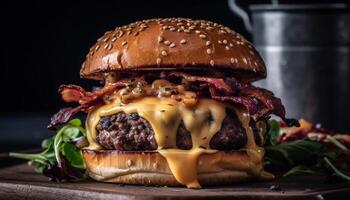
x: 235, y: 8
x: 242, y: 13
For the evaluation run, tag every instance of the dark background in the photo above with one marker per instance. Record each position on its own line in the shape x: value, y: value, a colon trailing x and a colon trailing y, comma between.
x: 44, y: 44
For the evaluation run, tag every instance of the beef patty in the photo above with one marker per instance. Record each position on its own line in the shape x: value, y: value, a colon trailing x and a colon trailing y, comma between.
x: 131, y: 132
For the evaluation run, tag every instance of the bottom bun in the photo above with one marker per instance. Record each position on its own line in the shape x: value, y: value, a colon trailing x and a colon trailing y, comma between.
x: 151, y: 168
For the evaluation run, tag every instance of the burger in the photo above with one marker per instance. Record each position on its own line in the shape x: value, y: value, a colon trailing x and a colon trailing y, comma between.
x: 176, y: 105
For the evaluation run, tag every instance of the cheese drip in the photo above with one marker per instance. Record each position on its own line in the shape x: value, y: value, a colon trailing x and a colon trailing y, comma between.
x: 255, y: 152
x: 165, y: 115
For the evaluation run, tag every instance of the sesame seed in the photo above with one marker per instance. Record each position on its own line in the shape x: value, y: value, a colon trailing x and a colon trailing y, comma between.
x: 97, y: 47
x: 155, y: 165
x: 114, y: 39
x: 192, y: 27
x: 227, y: 47
x: 224, y: 41
x: 209, y: 28
x: 129, y: 163
x: 232, y: 60
x: 251, y: 52
x: 166, y: 42
x: 158, y: 61
x: 236, y: 60
x: 209, y: 51
x: 105, y: 39
x: 109, y: 46
x: 207, y: 43
x: 202, y: 36
x: 160, y: 39
x: 219, y: 41
x: 172, y: 29
x: 231, y: 45
x: 245, y: 61
x: 164, y: 53
x: 197, y: 31
x: 106, y: 46
x: 120, y: 34
x: 129, y: 32
x: 172, y: 45
x: 212, y: 62
x: 238, y: 42
x: 187, y: 31
x: 183, y: 41
x: 255, y: 63
x: 124, y: 43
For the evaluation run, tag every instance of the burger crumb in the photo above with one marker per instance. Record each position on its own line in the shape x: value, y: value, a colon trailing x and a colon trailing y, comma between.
x: 275, y: 188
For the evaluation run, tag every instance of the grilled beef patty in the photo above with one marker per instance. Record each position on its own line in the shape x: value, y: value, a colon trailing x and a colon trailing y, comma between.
x: 131, y: 132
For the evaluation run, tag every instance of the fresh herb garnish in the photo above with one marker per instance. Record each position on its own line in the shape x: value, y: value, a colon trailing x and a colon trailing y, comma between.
x: 273, y: 133
x: 61, y: 159
x: 303, y: 155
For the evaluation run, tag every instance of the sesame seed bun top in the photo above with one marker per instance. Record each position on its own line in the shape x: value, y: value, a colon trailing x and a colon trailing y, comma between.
x: 173, y: 44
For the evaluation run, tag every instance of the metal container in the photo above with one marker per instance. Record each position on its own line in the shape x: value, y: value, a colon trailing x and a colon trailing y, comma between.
x: 306, y: 49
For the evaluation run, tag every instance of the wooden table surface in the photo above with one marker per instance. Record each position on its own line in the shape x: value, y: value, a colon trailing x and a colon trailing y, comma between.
x: 21, y: 182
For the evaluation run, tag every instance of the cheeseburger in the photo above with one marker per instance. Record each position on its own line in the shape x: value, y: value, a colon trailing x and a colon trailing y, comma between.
x: 176, y: 106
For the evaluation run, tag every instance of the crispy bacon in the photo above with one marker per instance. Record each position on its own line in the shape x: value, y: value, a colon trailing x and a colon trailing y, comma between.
x: 74, y: 93
x: 272, y: 104
x: 250, y: 104
x: 65, y: 114
x: 258, y: 102
x: 217, y: 82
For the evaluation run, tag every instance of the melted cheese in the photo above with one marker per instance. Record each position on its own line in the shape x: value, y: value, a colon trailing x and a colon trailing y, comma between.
x: 255, y: 152
x: 165, y: 115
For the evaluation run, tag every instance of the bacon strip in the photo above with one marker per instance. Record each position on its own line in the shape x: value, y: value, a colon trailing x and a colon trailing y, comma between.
x: 217, y: 82
x: 259, y: 103
x: 74, y: 93
x: 63, y: 116
x: 66, y: 114
x: 250, y: 104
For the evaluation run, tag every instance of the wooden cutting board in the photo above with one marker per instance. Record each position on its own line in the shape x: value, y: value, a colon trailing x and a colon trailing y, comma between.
x: 21, y: 182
